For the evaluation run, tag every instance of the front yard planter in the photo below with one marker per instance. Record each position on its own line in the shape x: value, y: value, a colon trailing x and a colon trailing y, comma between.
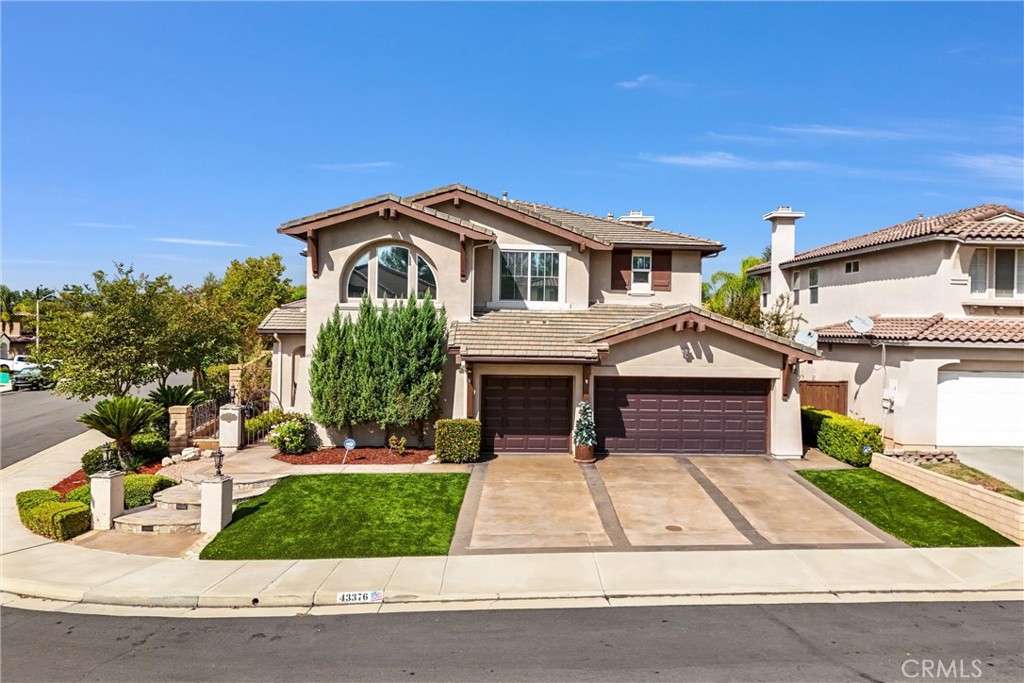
x: 584, y: 453
x: 584, y: 434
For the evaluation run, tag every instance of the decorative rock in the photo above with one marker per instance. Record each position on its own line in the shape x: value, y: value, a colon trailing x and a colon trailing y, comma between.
x: 166, y: 462
x: 189, y: 454
x: 176, y: 458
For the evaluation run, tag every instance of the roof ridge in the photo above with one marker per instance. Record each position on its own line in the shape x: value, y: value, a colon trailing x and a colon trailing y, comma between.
x: 616, y: 223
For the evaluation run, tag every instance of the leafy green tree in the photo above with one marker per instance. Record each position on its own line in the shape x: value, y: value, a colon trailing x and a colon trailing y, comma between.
x: 105, y: 338
x: 120, y: 419
x: 781, y: 319
x: 737, y: 295
x: 250, y: 290
x: 198, y: 334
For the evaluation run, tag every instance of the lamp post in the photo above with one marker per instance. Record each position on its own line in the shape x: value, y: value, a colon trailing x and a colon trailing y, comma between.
x: 39, y: 299
x: 106, y: 457
x: 218, y: 460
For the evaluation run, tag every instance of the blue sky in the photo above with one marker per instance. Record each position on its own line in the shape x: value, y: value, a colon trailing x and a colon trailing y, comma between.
x: 179, y: 136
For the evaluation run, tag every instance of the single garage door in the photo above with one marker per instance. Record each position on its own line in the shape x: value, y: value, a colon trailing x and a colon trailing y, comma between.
x: 527, y: 414
x: 662, y: 415
x: 980, y: 409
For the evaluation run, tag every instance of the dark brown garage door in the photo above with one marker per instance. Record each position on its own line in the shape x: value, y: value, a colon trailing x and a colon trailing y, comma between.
x: 527, y: 414
x: 654, y: 415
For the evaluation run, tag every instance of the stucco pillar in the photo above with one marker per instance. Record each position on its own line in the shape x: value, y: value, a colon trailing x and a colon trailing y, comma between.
x: 235, y: 376
x: 786, y: 437
x: 232, y: 428
x: 107, y: 498
x: 215, y: 504
x: 181, y: 425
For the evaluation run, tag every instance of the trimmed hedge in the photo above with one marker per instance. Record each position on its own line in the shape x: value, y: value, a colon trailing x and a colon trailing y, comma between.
x: 839, y: 436
x: 42, y: 513
x: 457, y: 440
x: 138, y: 490
x: 148, y: 447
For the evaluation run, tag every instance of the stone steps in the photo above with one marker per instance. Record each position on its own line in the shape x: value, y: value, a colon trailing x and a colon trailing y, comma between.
x: 242, y: 481
x: 188, y: 497
x: 150, y: 519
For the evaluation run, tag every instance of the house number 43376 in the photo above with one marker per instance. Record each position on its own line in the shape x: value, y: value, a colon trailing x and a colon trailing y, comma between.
x: 360, y: 597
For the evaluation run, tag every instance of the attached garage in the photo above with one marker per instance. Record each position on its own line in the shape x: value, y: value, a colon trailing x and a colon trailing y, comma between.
x: 980, y: 409
x: 676, y: 415
x: 526, y: 414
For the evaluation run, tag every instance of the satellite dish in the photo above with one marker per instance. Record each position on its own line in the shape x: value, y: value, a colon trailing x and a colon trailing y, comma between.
x: 861, y: 324
x: 806, y: 337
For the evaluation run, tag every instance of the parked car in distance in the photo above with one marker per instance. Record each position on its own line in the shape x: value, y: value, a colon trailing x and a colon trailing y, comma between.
x: 17, y: 363
x: 31, y: 378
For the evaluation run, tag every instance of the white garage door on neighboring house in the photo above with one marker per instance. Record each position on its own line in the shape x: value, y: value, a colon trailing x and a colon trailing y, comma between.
x: 980, y: 409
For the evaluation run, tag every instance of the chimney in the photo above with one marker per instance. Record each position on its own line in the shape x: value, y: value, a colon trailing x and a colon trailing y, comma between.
x: 611, y: 216
x: 504, y: 195
x: 783, y: 221
x: 637, y: 217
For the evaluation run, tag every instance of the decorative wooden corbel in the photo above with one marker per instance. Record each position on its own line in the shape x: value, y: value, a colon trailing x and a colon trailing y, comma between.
x: 313, y: 247
x: 463, y: 267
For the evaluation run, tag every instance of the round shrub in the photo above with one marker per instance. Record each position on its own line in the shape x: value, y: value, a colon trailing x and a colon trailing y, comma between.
x: 290, y: 437
x: 139, y: 488
x: 457, y: 440
x: 150, y: 447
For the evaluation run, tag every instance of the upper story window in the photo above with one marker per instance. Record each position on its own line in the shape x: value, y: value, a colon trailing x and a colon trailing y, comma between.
x: 1006, y: 267
x: 812, y: 285
x: 397, y: 272
x: 766, y: 290
x: 640, y: 272
x: 852, y: 266
x: 796, y: 287
x: 530, y: 276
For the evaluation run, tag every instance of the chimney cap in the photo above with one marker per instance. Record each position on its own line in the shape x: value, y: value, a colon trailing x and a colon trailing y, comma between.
x: 783, y: 212
x: 637, y: 217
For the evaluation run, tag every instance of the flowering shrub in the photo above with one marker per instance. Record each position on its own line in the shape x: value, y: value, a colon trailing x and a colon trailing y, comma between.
x: 290, y: 437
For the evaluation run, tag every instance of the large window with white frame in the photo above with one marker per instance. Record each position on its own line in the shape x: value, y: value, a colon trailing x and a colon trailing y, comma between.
x: 997, y: 273
x: 530, y: 277
x: 396, y: 272
x: 640, y: 272
x: 978, y: 272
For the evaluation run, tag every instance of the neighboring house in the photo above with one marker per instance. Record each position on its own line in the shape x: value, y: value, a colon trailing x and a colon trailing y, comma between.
x: 943, y: 365
x: 12, y: 341
x: 548, y: 307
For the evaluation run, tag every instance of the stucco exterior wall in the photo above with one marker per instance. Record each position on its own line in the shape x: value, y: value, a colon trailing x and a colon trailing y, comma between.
x: 289, y: 370
x: 686, y: 279
x: 913, y: 374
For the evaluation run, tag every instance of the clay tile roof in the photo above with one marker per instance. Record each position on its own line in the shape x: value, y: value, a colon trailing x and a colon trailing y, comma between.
x: 290, y: 317
x: 982, y: 222
x: 936, y: 328
x: 600, y: 229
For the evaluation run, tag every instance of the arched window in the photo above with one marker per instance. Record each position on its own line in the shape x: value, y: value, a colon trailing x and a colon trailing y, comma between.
x: 391, y: 272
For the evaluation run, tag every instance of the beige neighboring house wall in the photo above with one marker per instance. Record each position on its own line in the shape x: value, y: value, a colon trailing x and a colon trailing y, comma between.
x: 914, y: 280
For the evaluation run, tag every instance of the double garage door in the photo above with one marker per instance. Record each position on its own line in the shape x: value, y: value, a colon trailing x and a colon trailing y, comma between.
x: 980, y: 409
x: 633, y: 415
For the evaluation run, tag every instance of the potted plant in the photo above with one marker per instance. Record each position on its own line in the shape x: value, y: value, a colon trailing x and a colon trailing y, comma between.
x: 584, y: 435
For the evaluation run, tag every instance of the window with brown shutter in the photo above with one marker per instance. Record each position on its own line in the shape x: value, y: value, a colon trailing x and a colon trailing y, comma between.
x: 661, y: 271
x: 621, y: 269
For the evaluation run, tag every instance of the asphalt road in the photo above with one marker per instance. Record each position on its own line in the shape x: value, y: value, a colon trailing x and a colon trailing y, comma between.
x: 31, y: 421
x: 873, y: 642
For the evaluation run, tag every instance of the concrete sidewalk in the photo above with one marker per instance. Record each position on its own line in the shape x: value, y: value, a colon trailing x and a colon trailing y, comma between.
x: 83, y: 578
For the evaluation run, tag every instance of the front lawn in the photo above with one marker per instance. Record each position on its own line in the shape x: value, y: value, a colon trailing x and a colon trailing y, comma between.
x: 902, y: 511
x: 345, y: 515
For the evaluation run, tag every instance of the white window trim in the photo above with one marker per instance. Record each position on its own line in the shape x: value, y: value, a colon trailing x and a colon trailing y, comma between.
x: 851, y: 267
x: 497, y: 302
x: 641, y: 288
x: 795, y: 280
x: 813, y: 291
x: 1018, y: 280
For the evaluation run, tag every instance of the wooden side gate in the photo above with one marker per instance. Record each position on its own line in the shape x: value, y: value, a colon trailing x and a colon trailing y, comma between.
x: 824, y: 395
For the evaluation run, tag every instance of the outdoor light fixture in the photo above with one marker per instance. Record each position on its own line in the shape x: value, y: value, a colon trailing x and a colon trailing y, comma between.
x: 218, y: 460
x: 107, y: 464
x: 233, y: 392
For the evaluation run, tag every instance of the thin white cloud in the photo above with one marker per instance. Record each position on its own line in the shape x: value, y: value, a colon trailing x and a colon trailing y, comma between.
x: 356, y: 166
x: 103, y: 226
x: 652, y: 82
x: 1001, y: 167
x: 636, y: 82
x: 196, y: 243
x: 822, y: 131
x: 726, y: 160
x: 749, y: 139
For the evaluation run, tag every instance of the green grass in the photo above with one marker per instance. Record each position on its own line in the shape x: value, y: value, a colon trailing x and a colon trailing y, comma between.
x: 345, y: 515
x: 902, y: 511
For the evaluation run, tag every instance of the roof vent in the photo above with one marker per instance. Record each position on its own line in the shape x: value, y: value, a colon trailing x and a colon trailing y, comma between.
x: 637, y: 217
x: 611, y: 216
x: 504, y: 195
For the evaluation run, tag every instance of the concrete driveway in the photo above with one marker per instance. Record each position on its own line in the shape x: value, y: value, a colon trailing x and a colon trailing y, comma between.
x: 652, y: 502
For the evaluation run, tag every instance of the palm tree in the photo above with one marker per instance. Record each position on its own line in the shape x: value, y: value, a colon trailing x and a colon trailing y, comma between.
x: 173, y: 395
x: 120, y: 419
x: 736, y: 295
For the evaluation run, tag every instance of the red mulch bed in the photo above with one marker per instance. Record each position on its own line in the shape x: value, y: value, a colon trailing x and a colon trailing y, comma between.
x: 358, y: 456
x: 79, y: 478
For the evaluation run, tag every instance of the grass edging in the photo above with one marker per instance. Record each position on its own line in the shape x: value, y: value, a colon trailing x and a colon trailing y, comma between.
x: 326, y: 516
x: 902, y: 511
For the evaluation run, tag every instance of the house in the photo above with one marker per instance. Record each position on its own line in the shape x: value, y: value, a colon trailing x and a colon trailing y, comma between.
x: 12, y: 341
x: 549, y: 307
x: 943, y: 362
